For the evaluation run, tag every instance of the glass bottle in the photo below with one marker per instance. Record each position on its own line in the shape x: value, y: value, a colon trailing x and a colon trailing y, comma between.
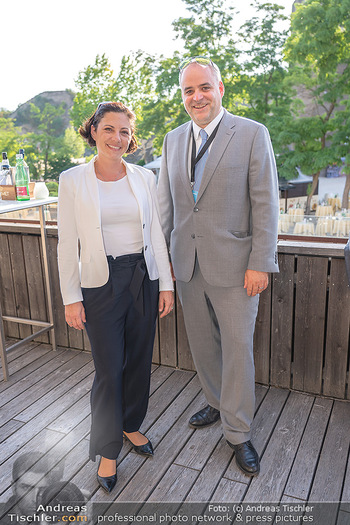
x: 21, y: 152
x: 22, y: 183
x: 5, y: 171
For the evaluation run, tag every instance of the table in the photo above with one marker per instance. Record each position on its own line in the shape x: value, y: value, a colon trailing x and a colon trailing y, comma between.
x: 297, y: 214
x: 335, y: 202
x: 44, y: 326
x: 284, y: 223
x: 304, y: 228
x: 324, y: 226
x: 341, y: 227
x: 324, y: 211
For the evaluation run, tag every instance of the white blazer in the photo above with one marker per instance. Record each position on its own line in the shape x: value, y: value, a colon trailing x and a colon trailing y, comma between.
x: 79, y: 222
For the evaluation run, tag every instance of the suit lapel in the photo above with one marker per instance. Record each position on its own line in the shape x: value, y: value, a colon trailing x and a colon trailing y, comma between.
x: 91, y: 188
x: 183, y: 152
x: 224, y: 135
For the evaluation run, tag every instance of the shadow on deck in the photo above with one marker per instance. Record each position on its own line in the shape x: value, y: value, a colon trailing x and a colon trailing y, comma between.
x: 303, y: 440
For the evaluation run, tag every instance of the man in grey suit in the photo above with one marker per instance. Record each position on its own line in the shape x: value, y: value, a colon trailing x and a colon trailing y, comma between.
x: 219, y: 212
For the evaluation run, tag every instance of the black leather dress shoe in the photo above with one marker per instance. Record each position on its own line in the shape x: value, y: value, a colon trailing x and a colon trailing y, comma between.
x: 107, y: 482
x: 143, y: 450
x: 247, y: 458
x: 205, y: 417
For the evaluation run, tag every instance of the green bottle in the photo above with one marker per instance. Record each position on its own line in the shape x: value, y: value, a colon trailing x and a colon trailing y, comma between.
x: 22, y: 182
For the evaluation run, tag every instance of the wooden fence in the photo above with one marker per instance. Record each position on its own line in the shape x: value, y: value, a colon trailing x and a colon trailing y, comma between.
x: 301, y: 338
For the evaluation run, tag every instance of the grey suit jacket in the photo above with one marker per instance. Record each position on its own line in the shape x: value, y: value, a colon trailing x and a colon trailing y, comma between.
x: 233, y: 225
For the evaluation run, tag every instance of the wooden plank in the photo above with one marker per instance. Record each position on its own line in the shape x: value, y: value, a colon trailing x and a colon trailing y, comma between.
x: 73, y: 451
x: 75, y: 414
x: 280, y: 451
x: 20, y: 282
x: 322, y: 249
x: 9, y: 428
x: 345, y: 497
x: 55, y: 450
x: 167, y: 340
x: 176, y: 482
x: 39, y: 422
x: 343, y: 518
x: 337, y: 335
x: 86, y: 342
x: 36, y: 290
x: 328, y: 480
x: 19, y: 352
x: 263, y: 426
x: 229, y: 491
x: 61, y: 327
x: 23, y: 371
x: 27, y: 358
x: 185, y: 360
x: 306, y: 459
x: 75, y: 338
x: 310, y: 313
x: 262, y: 338
x: 8, y: 300
x: 282, y: 322
x: 164, y: 396
x: 158, y: 377
x: 42, y: 443
x: 211, y: 474
x: 156, y: 349
x: 200, y: 447
x: 39, y: 396
x: 80, y: 378
x: 290, y: 513
x: 46, y: 369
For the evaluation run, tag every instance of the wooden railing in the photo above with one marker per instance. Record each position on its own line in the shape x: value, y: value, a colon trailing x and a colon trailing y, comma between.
x: 301, y: 338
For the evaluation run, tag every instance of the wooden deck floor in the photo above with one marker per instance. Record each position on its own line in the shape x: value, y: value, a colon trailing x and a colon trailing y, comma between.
x: 303, y: 440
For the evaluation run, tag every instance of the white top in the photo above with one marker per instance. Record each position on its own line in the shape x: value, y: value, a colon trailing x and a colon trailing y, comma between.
x: 120, y: 218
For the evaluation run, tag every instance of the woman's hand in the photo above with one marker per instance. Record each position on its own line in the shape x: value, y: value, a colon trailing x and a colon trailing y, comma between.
x: 166, y: 302
x: 75, y: 315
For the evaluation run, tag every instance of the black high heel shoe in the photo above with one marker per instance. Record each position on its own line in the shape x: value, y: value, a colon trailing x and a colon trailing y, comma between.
x: 107, y: 482
x: 143, y: 450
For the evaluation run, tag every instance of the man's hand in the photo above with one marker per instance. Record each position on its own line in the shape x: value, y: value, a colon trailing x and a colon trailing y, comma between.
x: 255, y: 282
x: 75, y: 315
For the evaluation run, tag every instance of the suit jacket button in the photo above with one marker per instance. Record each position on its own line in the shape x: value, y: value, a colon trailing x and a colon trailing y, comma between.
x: 193, y: 236
x: 196, y: 209
x: 143, y: 226
x: 145, y: 248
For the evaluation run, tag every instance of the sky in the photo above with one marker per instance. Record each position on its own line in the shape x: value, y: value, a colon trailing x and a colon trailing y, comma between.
x: 45, y: 44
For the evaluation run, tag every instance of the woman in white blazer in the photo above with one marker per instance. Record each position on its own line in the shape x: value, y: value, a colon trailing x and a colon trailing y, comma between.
x: 114, y: 277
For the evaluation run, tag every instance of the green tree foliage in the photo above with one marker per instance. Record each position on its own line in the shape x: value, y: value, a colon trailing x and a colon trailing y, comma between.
x: 50, y: 151
x: 10, y: 139
x: 298, y: 90
x: 68, y: 148
x: 52, y: 186
x: 263, y: 83
x: 341, y: 143
x: 94, y: 84
x: 318, y: 51
x: 207, y: 31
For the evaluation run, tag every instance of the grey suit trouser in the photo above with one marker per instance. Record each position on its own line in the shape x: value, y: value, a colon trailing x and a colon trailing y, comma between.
x: 220, y: 325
